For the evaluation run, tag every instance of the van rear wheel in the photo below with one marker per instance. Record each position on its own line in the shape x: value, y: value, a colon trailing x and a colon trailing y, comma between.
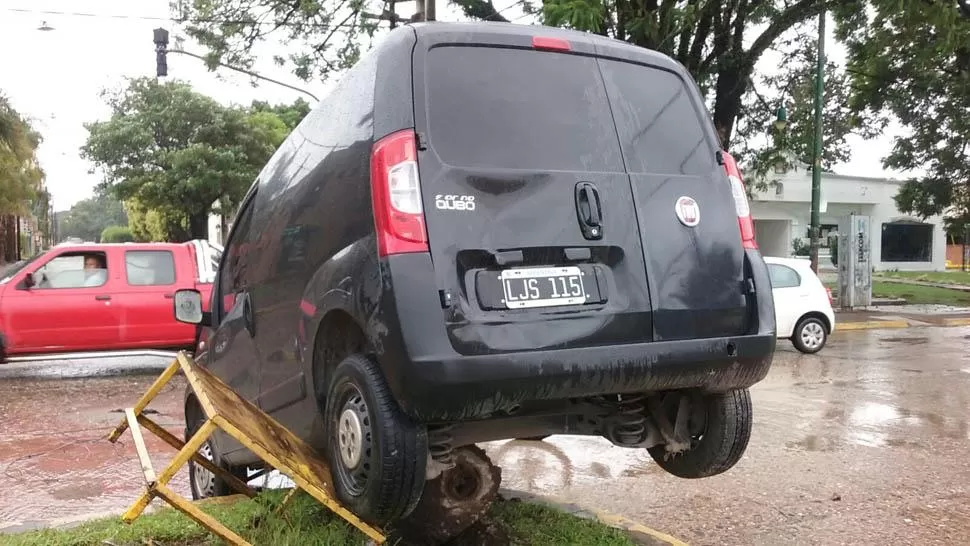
x: 721, y: 443
x: 377, y: 455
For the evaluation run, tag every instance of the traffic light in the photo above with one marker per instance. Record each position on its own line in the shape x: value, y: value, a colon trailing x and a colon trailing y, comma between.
x: 161, y: 52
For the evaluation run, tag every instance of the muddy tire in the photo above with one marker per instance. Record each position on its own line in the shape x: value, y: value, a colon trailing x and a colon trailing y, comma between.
x: 205, y: 484
x: 454, y: 501
x: 726, y: 431
x: 377, y: 455
x: 810, y: 335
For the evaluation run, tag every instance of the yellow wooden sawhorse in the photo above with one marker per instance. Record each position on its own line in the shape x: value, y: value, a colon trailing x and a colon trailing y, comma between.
x: 242, y: 420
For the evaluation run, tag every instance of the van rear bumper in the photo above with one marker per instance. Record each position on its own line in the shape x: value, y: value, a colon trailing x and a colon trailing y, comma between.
x: 432, y: 382
x: 476, y: 387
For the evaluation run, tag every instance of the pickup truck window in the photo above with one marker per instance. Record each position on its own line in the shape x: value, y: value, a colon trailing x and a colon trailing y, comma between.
x: 150, y: 267
x: 74, y: 270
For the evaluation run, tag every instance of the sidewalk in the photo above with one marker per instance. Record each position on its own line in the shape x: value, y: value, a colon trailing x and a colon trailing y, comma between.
x: 900, y: 316
x: 959, y: 287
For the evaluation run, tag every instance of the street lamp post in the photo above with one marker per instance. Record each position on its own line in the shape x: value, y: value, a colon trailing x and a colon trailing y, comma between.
x: 817, y: 153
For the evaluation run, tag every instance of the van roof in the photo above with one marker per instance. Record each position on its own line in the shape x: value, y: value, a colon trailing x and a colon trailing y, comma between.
x: 521, y: 35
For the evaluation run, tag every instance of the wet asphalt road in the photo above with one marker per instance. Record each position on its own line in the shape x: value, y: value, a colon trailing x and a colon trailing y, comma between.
x: 867, y: 442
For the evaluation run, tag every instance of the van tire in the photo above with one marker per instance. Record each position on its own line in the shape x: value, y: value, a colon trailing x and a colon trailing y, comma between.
x: 810, y: 335
x: 377, y: 455
x: 205, y: 484
x: 726, y: 433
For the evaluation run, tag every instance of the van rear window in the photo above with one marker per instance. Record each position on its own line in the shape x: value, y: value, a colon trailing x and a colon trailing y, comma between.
x: 519, y: 109
x: 660, y: 129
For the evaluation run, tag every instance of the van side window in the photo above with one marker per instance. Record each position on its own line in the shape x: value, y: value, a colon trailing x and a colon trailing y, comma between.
x: 232, y: 276
x: 660, y: 129
x: 149, y: 267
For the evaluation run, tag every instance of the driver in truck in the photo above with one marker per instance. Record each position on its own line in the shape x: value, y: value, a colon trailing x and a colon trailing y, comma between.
x: 95, y: 270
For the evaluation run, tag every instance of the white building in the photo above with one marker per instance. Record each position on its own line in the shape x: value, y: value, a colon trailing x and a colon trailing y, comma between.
x: 898, y: 241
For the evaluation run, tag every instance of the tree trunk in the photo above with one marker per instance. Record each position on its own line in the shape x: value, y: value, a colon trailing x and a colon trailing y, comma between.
x: 732, y: 76
x: 199, y: 226
x: 8, y: 239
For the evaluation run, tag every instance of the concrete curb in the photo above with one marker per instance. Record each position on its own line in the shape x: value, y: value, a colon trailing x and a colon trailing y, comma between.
x: 891, y: 324
x: 870, y: 325
x: 644, y: 534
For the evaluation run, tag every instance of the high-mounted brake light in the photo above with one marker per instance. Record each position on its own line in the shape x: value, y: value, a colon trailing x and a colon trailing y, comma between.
x: 553, y: 44
x: 396, y: 191
x: 740, y: 202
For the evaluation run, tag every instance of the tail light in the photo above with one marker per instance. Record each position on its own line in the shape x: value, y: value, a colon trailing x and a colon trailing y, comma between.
x: 740, y: 202
x: 396, y: 191
x: 829, y: 292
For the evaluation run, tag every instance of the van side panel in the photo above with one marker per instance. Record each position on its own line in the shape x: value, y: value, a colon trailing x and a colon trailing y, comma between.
x: 312, y: 210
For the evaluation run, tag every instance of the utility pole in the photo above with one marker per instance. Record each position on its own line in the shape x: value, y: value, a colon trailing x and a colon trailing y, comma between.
x: 817, y: 154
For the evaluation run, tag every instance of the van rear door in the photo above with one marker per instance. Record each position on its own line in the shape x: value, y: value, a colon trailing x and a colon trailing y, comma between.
x: 688, y: 222
x: 530, y: 215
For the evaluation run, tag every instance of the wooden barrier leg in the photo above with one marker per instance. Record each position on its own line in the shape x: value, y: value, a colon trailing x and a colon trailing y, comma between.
x: 182, y: 457
x: 286, y: 501
x: 140, y: 447
x: 199, y: 516
x: 146, y: 398
x: 232, y: 481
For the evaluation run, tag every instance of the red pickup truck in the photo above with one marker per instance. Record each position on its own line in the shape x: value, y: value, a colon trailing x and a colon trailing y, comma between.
x: 83, y: 298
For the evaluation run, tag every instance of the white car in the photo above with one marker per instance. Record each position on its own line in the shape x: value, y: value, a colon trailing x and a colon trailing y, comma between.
x: 803, y: 305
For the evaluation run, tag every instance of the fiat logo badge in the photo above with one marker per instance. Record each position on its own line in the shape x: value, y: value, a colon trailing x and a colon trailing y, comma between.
x: 687, y: 211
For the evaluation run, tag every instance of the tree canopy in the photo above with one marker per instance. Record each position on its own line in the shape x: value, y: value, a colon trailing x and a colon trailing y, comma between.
x: 718, y: 42
x: 20, y: 174
x: 913, y: 65
x: 175, y: 151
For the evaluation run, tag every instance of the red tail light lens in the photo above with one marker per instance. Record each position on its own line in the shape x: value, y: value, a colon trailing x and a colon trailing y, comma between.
x: 829, y: 292
x: 740, y: 202
x: 396, y: 191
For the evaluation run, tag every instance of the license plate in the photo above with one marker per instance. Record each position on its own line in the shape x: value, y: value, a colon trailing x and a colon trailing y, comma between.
x: 543, y: 287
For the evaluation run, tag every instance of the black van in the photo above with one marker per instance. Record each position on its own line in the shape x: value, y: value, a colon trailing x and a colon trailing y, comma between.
x: 492, y: 231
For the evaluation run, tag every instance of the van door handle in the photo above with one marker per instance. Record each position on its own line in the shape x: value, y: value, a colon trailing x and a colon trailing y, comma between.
x: 103, y: 298
x: 589, y: 210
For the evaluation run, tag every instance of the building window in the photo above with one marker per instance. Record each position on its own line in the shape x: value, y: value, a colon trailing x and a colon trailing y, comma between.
x: 907, y: 242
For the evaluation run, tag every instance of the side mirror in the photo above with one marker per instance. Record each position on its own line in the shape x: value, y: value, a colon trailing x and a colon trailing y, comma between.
x: 188, y: 308
x: 29, y: 281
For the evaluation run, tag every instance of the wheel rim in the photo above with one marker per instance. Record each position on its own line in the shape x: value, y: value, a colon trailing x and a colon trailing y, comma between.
x: 204, y: 481
x: 353, y: 439
x: 350, y: 438
x: 812, y: 335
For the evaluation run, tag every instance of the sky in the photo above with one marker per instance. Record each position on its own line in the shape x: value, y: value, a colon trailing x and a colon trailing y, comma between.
x: 56, y: 77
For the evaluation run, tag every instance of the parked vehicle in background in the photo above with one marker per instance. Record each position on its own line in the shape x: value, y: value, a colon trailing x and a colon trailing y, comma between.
x: 79, y: 298
x: 491, y: 231
x: 803, y: 305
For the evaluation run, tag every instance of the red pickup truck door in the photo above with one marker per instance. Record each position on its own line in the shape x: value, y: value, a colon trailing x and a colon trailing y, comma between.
x: 149, y: 280
x: 60, y: 313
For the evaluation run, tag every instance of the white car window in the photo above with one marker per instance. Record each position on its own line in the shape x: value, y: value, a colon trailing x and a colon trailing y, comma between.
x: 783, y: 276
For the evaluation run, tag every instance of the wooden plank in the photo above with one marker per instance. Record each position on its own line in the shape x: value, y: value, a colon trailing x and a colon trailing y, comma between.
x: 255, y: 426
x: 189, y: 449
x: 286, y: 501
x: 139, y: 506
x: 140, y: 447
x: 203, y: 519
x: 192, y: 372
x: 146, y: 398
x: 300, y: 472
x: 235, y: 483
x: 182, y: 457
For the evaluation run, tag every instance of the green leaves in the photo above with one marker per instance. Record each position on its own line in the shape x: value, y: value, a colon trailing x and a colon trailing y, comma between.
x: 175, y: 151
x: 20, y: 175
x: 912, y: 63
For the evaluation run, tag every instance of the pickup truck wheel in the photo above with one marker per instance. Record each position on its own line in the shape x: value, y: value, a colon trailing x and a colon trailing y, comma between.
x: 719, y: 447
x: 810, y: 335
x: 205, y: 484
x: 377, y: 455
